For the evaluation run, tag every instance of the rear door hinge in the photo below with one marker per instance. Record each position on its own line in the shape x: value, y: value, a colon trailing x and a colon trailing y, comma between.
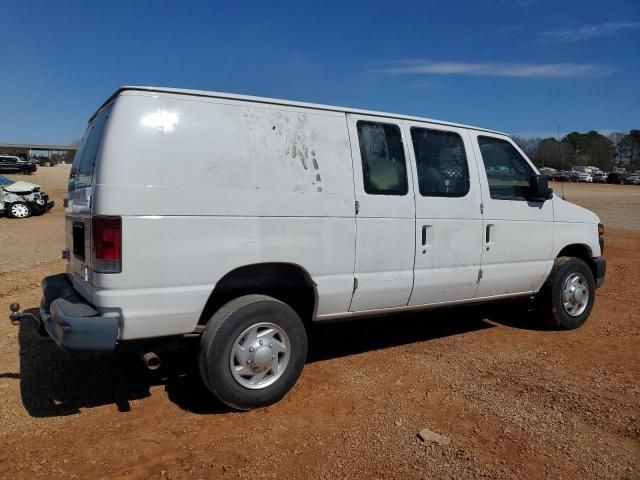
x: 357, y: 207
x: 355, y: 285
x: 481, y: 208
x: 479, y: 276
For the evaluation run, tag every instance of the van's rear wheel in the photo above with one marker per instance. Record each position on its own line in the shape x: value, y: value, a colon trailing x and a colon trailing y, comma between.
x: 566, y: 299
x: 252, y: 351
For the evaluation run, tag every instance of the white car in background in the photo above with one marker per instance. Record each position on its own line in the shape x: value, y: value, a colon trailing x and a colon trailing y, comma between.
x: 585, y: 178
x: 600, y: 177
x: 22, y: 199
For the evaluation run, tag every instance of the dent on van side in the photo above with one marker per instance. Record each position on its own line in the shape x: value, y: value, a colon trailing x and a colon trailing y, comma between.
x: 241, y: 220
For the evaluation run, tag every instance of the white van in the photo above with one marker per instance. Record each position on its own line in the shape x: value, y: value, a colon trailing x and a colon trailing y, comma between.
x: 244, y: 219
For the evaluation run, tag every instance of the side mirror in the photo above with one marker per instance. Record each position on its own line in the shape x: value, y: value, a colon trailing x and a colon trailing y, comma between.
x: 539, y: 190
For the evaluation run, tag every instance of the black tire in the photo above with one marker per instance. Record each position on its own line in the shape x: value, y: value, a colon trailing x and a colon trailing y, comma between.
x: 218, y: 340
x: 550, y: 301
x: 9, y: 209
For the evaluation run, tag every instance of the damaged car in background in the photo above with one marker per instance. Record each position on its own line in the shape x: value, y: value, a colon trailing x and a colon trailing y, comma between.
x: 22, y: 199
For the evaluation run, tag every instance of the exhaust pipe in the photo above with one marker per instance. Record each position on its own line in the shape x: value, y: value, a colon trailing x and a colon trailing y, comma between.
x: 151, y: 361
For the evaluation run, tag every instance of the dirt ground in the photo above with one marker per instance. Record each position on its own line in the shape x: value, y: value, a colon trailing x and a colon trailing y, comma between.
x: 516, y: 400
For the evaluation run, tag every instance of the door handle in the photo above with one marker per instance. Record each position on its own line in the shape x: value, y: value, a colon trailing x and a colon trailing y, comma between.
x: 427, y: 234
x: 488, y: 235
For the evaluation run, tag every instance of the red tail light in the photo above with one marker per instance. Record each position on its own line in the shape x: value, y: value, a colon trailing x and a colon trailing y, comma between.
x: 107, y: 244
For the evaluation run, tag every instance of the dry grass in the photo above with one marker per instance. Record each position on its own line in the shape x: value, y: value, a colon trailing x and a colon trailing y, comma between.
x: 618, y: 206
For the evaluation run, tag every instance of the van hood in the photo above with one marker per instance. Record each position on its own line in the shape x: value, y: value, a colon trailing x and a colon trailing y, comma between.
x: 22, y: 187
x: 565, y: 211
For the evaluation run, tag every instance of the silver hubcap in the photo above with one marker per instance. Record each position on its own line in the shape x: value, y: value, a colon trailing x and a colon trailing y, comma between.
x: 575, y: 294
x: 19, y: 210
x: 259, y: 355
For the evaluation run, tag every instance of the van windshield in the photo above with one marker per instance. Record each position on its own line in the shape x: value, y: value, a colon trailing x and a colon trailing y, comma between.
x: 84, y: 162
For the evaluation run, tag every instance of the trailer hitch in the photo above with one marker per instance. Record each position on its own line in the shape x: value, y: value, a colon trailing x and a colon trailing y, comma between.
x: 16, y: 317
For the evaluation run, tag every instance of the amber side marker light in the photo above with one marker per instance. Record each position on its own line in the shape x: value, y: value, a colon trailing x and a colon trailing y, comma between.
x: 601, y: 237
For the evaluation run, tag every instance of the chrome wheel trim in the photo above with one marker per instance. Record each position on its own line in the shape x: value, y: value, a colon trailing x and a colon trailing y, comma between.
x: 575, y: 294
x: 19, y: 210
x: 259, y: 355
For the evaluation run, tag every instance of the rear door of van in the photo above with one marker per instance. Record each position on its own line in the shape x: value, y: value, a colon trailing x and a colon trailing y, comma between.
x: 385, y: 214
x: 79, y: 204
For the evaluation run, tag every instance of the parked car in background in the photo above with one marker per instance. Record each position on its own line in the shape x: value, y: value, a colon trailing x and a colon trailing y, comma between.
x: 632, y: 180
x: 42, y: 161
x: 573, y: 176
x: 600, y: 177
x: 585, y: 178
x: 617, y: 177
x: 548, y: 172
x: 22, y: 199
x: 561, y: 177
x: 11, y: 164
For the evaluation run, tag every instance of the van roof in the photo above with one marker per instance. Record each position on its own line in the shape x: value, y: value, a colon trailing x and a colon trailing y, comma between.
x: 276, y: 101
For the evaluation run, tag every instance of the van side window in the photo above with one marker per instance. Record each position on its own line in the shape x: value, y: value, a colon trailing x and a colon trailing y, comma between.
x: 507, y: 171
x: 442, y: 163
x: 383, y: 164
x: 81, y: 174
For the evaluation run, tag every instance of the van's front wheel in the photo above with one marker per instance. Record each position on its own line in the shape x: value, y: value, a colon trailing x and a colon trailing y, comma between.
x: 252, y: 351
x: 566, y: 299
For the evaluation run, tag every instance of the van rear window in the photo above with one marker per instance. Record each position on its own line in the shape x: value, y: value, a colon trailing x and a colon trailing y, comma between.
x: 383, y: 163
x: 84, y: 162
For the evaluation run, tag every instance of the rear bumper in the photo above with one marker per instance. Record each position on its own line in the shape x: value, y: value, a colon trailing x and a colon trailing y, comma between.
x: 72, y: 322
x: 599, y: 267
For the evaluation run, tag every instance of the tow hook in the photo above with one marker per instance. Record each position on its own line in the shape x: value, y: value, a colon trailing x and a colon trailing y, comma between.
x: 16, y: 317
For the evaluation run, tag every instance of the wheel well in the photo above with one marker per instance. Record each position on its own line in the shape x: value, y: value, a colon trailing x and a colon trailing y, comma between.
x: 576, y: 250
x: 287, y: 282
x: 579, y: 251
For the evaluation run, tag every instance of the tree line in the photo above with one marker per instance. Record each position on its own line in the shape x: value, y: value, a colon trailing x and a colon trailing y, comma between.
x: 591, y: 148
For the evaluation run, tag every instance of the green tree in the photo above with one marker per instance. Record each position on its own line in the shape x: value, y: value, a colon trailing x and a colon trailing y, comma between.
x: 630, y: 149
x: 552, y: 153
x: 591, y: 148
x: 616, y: 143
x: 528, y: 145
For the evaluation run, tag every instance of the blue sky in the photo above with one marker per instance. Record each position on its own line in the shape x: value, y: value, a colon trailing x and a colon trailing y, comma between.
x: 514, y: 65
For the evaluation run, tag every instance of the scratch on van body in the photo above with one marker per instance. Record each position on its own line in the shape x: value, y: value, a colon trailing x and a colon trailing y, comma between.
x: 297, y: 142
